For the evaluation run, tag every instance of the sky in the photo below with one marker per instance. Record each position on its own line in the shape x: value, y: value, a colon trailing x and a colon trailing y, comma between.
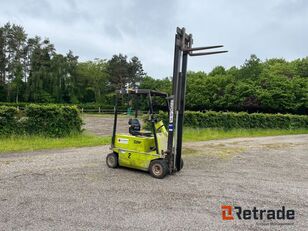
x: 101, y: 28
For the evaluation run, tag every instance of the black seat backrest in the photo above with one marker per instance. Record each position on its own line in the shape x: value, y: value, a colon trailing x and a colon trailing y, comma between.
x: 134, y: 127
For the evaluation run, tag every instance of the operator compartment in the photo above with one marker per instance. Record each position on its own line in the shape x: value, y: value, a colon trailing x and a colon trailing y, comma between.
x: 135, y: 143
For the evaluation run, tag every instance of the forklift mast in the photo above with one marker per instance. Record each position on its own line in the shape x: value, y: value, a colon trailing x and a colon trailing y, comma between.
x: 183, y: 48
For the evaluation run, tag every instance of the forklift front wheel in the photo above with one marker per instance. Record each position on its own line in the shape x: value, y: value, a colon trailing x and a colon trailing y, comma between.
x: 112, y: 160
x: 158, y: 168
x: 182, y: 165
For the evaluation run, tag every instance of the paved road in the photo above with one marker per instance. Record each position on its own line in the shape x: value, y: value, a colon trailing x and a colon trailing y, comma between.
x: 74, y: 190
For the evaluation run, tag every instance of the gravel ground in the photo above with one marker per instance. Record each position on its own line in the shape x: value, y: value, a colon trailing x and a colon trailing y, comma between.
x: 103, y: 124
x: 74, y: 190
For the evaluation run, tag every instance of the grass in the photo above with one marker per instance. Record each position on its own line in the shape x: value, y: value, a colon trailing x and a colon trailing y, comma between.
x: 192, y: 134
x: 31, y: 143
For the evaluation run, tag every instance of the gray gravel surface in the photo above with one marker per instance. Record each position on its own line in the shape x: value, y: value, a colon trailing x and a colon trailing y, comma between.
x: 103, y: 124
x: 74, y: 190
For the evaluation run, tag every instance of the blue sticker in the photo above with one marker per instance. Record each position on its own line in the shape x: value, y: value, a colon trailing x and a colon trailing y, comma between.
x: 170, y: 127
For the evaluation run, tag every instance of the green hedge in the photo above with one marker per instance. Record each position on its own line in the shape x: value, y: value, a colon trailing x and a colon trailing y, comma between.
x: 13, y: 104
x: 229, y: 120
x: 9, y: 121
x: 86, y: 106
x: 47, y: 120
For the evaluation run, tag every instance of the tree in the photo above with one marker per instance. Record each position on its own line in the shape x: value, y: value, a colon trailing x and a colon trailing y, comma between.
x: 39, y: 80
x: 12, y: 55
x: 117, y: 70
x: 163, y: 85
x: 71, y: 68
x: 279, y: 67
x: 301, y: 67
x: 2, y: 56
x: 135, y: 72
x: 252, y: 68
x: 219, y: 70
x: 124, y: 74
x: 2, y: 64
x: 58, y: 77
x: 94, y: 77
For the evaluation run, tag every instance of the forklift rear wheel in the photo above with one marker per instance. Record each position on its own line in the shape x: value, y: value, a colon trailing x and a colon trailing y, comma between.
x: 112, y: 160
x: 158, y: 168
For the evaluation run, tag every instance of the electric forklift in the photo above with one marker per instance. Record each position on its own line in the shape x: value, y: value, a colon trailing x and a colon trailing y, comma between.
x: 157, y: 151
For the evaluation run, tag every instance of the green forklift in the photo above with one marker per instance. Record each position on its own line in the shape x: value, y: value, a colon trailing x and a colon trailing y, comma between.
x: 157, y: 151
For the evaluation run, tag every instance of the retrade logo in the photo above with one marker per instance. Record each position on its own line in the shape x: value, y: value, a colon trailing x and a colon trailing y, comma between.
x: 255, y: 213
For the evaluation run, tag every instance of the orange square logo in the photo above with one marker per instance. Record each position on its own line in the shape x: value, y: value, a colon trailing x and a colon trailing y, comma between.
x: 226, y: 212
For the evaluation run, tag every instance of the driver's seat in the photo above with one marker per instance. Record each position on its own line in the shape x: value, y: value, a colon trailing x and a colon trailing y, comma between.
x: 134, y: 127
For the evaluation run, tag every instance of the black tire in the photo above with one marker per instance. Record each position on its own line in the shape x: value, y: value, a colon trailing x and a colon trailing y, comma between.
x: 112, y: 160
x: 182, y: 164
x: 158, y: 169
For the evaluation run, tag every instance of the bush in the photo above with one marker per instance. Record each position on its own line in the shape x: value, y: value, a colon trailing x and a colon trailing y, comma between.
x: 85, y: 106
x: 9, y: 121
x: 228, y: 120
x: 13, y: 104
x: 46, y: 120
